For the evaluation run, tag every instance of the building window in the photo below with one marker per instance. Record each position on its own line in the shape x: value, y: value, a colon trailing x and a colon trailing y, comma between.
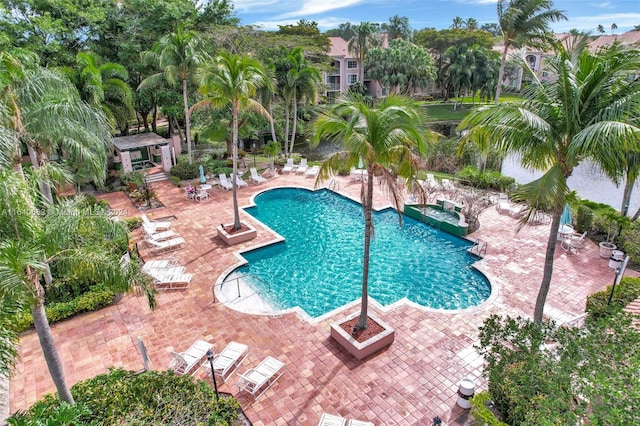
x: 352, y: 65
x: 352, y: 78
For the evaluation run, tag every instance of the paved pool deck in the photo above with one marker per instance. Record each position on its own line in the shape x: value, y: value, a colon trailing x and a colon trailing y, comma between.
x: 409, y: 383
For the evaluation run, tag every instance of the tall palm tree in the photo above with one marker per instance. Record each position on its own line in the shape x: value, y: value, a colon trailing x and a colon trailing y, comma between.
x: 398, y: 27
x: 299, y: 83
x: 103, y: 85
x: 523, y: 23
x: 367, y: 35
x: 458, y: 70
x: 387, y: 140
x: 231, y: 82
x: 87, y: 244
x: 471, y: 24
x: 586, y: 113
x: 178, y: 55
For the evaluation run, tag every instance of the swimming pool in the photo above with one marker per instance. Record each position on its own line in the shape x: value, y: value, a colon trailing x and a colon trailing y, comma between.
x: 319, y: 265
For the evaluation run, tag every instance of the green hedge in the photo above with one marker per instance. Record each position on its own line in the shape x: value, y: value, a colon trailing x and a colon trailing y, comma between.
x: 148, y: 398
x: 185, y: 171
x: 626, y: 292
x: 97, y: 297
x: 486, y: 179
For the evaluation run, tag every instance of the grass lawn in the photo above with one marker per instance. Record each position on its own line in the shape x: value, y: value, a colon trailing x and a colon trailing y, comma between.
x: 439, y: 111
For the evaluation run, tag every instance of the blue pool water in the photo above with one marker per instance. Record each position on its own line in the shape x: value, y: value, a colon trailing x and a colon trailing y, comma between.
x: 319, y: 266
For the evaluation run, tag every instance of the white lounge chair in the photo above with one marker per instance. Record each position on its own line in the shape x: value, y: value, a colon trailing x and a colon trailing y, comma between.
x: 163, y: 273
x: 240, y: 182
x: 258, y: 380
x: 159, y: 236
x: 289, y: 166
x: 173, y: 281
x: 255, y: 177
x: 354, y: 422
x: 447, y: 185
x: 313, y: 171
x: 503, y: 205
x: 160, y: 263
x: 187, y: 361
x: 157, y: 225
x: 224, y: 182
x: 574, y: 242
x: 302, y: 167
x: 166, y: 245
x: 432, y: 182
x: 228, y: 361
x: 332, y: 420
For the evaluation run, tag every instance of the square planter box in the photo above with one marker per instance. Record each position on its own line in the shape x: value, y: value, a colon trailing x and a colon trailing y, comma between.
x: 361, y: 350
x: 237, y: 237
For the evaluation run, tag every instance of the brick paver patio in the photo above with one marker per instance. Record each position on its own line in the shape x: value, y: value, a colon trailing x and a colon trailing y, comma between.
x: 410, y: 383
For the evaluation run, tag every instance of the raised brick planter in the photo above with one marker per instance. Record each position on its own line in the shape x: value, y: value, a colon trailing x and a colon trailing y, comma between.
x: 237, y: 237
x: 361, y: 350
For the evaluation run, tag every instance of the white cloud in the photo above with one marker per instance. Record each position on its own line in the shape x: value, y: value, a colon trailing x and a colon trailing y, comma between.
x: 312, y: 7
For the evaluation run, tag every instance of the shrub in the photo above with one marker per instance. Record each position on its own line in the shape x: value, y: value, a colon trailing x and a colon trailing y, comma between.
x: 135, y: 178
x: 630, y: 241
x: 97, y: 297
x: 185, y: 171
x: 133, y: 222
x: 481, y: 413
x: 150, y: 398
x: 486, y: 179
x: 626, y: 292
x: 176, y: 181
x: 584, y: 218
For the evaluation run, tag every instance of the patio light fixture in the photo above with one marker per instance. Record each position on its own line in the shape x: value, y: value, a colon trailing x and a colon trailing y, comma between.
x: 213, y: 374
x: 620, y: 266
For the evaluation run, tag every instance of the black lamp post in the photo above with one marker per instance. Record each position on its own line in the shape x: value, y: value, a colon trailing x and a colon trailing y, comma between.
x: 213, y: 374
x: 253, y: 146
x: 620, y: 265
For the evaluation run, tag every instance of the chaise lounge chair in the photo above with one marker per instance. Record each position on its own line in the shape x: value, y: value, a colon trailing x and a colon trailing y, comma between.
x: 187, y: 361
x: 313, y: 171
x: 302, y: 167
x: 172, y: 281
x: 156, y: 225
x: 166, y: 245
x: 239, y: 181
x: 289, y: 166
x: 354, y: 422
x: 503, y: 205
x: 159, y: 236
x: 258, y: 380
x: 332, y: 420
x: 228, y: 361
x: 255, y: 177
x: 224, y: 182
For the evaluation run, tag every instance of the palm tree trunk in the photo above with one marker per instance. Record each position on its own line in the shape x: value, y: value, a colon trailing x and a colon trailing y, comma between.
x: 503, y: 62
x: 626, y: 196
x: 368, y: 233
x: 271, y: 123
x: 286, y: 128
x: 294, y: 124
x: 50, y: 352
x: 548, y: 266
x: 187, y: 119
x: 234, y: 127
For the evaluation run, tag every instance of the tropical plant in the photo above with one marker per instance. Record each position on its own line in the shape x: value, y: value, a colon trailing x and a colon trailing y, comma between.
x: 178, y: 55
x: 386, y: 139
x: 458, y: 71
x: 524, y: 23
x: 398, y: 27
x: 103, y: 85
x: 73, y: 239
x: 367, y: 35
x: 230, y: 82
x: 583, y: 114
x: 297, y: 81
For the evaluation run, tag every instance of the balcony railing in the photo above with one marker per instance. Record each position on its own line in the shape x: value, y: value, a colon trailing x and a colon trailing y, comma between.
x: 333, y: 86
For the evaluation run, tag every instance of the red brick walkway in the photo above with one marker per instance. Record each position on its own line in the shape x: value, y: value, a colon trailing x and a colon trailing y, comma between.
x: 409, y: 383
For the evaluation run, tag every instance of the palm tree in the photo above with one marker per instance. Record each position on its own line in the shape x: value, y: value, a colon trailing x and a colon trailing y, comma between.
x: 298, y: 83
x: 230, y: 82
x: 458, y: 70
x: 600, y: 29
x: 86, y: 243
x: 367, y: 35
x: 471, y: 24
x: 104, y: 86
x: 614, y: 27
x: 523, y: 23
x: 178, y: 55
x: 387, y: 140
x: 457, y: 23
x: 586, y: 113
x: 398, y: 27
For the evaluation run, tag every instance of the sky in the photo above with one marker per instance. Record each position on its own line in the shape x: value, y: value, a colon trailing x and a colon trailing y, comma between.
x: 583, y: 15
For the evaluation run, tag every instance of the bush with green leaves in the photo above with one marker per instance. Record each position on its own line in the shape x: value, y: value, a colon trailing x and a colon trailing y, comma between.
x: 95, y: 298
x: 630, y: 242
x: 624, y: 293
x: 487, y: 179
x: 185, y: 171
x: 541, y: 374
x: 148, y: 398
x: 584, y: 218
x: 135, y: 178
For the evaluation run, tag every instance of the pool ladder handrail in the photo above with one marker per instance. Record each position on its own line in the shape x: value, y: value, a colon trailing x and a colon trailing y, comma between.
x: 237, y: 280
x: 479, y: 247
x: 334, y: 185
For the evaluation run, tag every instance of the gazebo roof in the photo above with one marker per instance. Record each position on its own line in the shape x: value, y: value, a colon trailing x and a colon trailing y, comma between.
x: 127, y: 143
